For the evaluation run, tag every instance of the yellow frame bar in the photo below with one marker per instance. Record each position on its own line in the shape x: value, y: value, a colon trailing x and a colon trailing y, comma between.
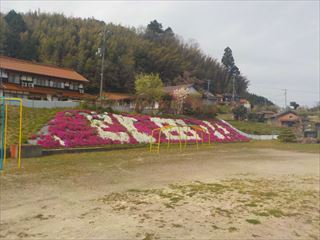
x: 193, y: 127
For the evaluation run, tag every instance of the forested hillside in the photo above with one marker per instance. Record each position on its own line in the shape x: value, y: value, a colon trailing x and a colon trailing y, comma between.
x: 75, y: 42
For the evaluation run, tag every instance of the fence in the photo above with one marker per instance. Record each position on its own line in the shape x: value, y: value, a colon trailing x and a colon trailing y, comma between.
x: 47, y: 104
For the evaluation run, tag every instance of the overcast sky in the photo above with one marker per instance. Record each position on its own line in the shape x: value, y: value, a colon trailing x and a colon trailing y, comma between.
x: 275, y: 44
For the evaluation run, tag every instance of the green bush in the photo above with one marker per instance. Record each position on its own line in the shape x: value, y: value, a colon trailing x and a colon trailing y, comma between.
x: 287, y: 135
x: 194, y: 106
x: 240, y: 113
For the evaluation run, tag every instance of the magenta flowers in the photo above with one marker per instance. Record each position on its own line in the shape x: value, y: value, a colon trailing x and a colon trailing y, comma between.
x: 84, y: 128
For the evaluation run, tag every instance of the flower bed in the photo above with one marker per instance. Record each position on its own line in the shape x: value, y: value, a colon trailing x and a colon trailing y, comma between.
x: 84, y: 128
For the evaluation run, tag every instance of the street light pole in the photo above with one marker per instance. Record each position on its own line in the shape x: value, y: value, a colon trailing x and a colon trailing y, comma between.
x: 102, y: 62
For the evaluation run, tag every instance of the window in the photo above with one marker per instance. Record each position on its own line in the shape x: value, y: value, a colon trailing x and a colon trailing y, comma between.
x: 14, y: 78
x: 57, y: 84
x: 3, y: 73
x: 75, y: 86
x: 66, y: 85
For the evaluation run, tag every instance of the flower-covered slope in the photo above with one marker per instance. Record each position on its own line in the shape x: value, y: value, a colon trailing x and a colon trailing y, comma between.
x: 85, y: 128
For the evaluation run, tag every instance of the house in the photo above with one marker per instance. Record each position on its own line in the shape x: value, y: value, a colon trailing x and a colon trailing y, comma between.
x: 288, y: 118
x: 310, y: 133
x: 188, y: 87
x: 262, y: 116
x: 119, y: 101
x: 218, y: 98
x: 245, y: 103
x: 30, y: 80
x: 208, y: 98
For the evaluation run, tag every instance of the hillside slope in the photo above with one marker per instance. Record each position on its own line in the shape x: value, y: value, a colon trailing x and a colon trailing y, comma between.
x: 74, y: 128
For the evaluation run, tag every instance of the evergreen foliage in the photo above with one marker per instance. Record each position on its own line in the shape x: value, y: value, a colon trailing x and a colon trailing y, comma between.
x: 74, y: 43
x: 287, y: 135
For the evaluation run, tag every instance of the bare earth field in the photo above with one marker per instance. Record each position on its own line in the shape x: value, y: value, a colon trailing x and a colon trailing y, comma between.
x: 229, y: 191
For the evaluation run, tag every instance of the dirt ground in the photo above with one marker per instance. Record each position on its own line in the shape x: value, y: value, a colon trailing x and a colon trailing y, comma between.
x: 213, y: 193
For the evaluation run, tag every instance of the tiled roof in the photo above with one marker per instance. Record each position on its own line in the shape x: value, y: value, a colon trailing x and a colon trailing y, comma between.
x: 40, y: 69
x: 170, y: 89
x: 43, y: 90
x: 117, y: 96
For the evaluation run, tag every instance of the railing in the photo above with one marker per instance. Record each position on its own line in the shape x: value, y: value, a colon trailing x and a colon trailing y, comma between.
x: 47, y: 104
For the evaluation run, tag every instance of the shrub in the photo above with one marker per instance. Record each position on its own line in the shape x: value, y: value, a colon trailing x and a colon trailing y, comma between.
x: 240, y: 112
x: 287, y: 135
x: 194, y: 106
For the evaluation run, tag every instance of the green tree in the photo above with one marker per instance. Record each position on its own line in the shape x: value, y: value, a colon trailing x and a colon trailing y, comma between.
x: 15, y: 26
x: 227, y: 59
x: 287, y: 135
x: 240, y: 113
x: 241, y: 83
x: 73, y: 42
x: 148, y: 88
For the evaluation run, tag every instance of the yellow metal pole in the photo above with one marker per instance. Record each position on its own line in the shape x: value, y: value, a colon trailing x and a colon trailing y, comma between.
x: 5, y: 133
x: 20, y: 135
x: 202, y: 136
x: 197, y: 140
x: 159, y: 140
x: 168, y: 145
x: 186, y: 139
x: 179, y: 132
x: 151, y: 141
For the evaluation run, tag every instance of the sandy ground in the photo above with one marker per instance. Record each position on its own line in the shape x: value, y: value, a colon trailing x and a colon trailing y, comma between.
x: 133, y: 194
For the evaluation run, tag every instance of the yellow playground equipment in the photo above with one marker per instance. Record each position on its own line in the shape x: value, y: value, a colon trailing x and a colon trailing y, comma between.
x: 179, y: 129
x: 4, y: 103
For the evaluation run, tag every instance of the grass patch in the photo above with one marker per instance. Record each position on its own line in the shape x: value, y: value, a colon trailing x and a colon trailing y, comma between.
x: 33, y: 119
x: 232, y: 229
x: 255, y: 127
x: 252, y: 204
x: 262, y: 214
x: 253, y: 221
x: 276, y: 213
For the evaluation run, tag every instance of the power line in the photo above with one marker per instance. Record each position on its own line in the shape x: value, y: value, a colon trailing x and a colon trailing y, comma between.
x: 291, y: 90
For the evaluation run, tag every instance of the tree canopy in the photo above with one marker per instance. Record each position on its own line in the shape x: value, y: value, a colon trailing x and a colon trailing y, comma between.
x: 73, y: 42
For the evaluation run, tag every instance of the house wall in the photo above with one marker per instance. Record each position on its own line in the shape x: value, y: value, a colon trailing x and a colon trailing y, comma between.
x: 192, y: 90
x: 30, y: 81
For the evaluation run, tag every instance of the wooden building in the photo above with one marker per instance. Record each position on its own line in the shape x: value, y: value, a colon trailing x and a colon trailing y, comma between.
x: 287, y: 119
x: 30, y: 80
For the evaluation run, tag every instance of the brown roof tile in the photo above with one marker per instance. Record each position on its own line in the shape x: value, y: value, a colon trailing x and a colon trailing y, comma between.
x: 171, y: 89
x: 117, y: 96
x: 41, y: 69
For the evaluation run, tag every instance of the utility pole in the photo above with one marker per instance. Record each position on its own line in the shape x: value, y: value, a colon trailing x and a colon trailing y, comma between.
x: 233, y: 89
x: 285, y: 98
x: 208, y: 86
x: 102, y: 61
